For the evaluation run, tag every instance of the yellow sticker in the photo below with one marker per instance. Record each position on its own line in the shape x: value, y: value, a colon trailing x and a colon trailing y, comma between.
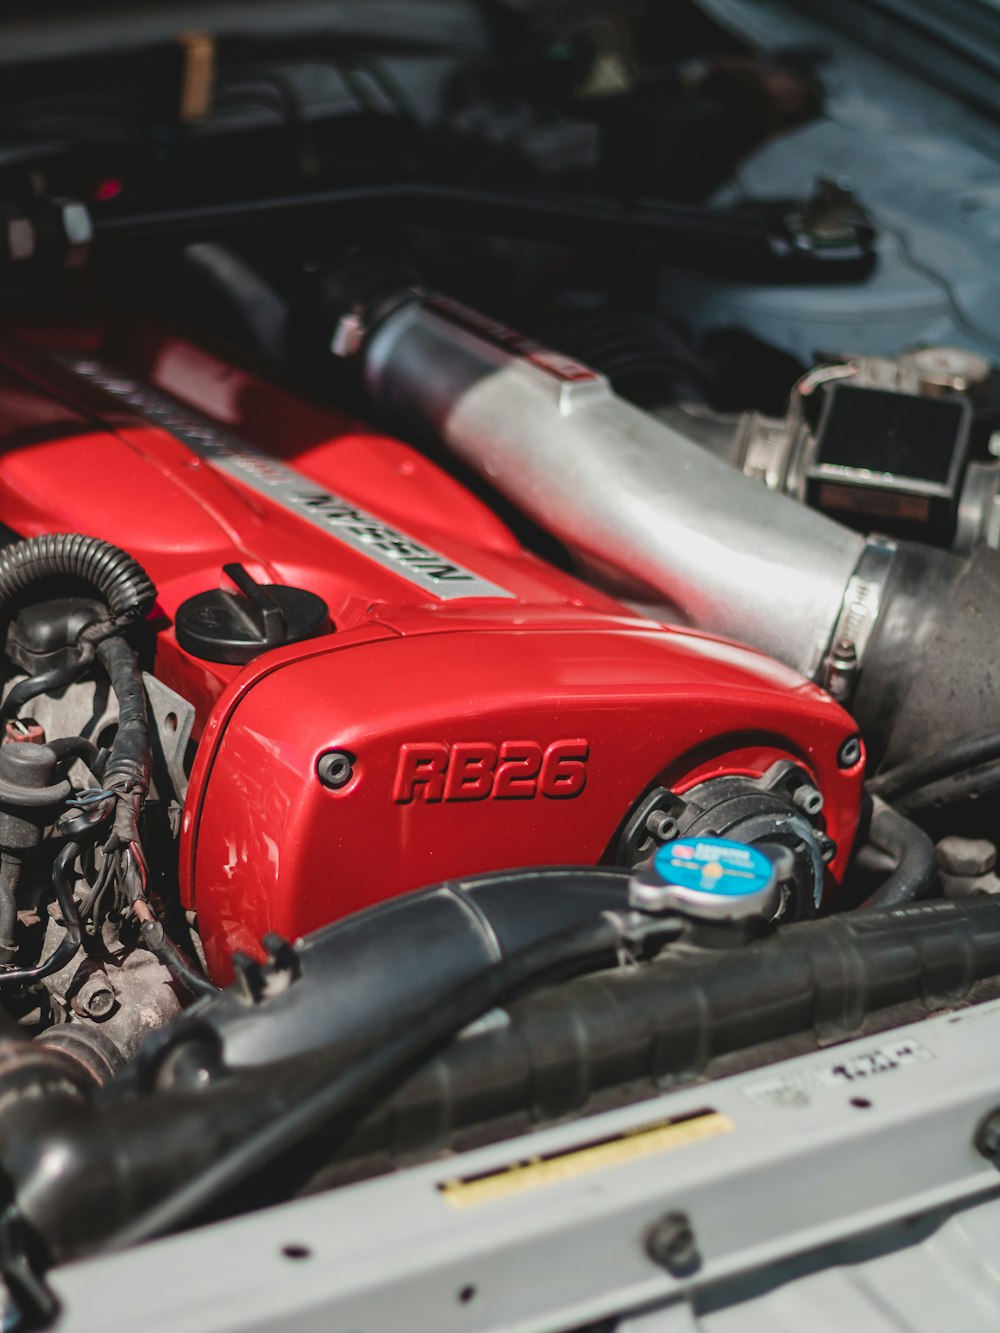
x: 534, y: 1172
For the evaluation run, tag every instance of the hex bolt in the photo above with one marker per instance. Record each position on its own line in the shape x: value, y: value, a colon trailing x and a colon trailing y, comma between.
x: 841, y: 670
x: 966, y: 856
x: 671, y: 1243
x: 850, y: 752
x: 335, y: 768
x: 987, y: 1138
x: 96, y: 998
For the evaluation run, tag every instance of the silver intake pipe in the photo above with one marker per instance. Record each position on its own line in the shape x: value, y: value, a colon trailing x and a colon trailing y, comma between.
x: 650, y: 513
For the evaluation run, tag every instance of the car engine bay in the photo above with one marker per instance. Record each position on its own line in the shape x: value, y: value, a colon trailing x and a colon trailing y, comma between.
x: 499, y: 583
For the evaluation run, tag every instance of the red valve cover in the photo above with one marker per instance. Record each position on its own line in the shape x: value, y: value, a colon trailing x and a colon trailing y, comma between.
x: 495, y: 711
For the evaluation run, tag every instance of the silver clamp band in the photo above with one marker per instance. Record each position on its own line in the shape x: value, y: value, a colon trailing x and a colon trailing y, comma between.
x: 858, y: 615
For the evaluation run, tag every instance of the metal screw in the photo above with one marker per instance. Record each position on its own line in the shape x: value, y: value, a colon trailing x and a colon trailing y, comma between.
x: 96, y: 998
x: 850, y: 752
x: 671, y: 1243
x: 987, y: 1139
x: 335, y: 768
x: 841, y: 669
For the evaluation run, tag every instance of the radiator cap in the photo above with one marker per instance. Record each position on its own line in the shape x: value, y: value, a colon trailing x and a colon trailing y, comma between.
x: 714, y: 879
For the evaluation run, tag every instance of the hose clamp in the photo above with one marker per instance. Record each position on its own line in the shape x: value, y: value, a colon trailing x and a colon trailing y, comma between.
x: 858, y: 616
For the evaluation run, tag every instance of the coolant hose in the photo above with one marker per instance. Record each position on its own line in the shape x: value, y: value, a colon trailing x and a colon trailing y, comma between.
x: 116, y: 578
x: 913, y: 852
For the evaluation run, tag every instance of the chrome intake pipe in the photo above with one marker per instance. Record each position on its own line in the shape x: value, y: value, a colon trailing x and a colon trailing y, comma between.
x: 897, y: 632
x: 649, y: 513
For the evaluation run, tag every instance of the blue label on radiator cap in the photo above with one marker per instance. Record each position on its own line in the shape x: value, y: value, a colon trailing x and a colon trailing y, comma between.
x: 714, y: 865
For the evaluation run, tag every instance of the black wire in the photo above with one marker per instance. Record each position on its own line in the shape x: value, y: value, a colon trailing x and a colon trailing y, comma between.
x: 531, y: 212
x: 134, y: 876
x: 105, y: 877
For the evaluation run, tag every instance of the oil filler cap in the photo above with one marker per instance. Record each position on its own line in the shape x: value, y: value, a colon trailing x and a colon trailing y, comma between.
x: 715, y: 879
x: 236, y: 627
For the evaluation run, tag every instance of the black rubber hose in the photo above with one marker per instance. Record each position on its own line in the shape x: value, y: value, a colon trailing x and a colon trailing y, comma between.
x: 10, y: 874
x: 79, y: 747
x: 162, y: 947
x: 970, y: 785
x: 118, y: 580
x: 970, y: 752
x: 532, y: 212
x: 398, y: 957
x: 637, y: 1029
x: 682, y: 231
x: 590, y: 944
x: 46, y: 682
x: 916, y: 862
x: 67, y: 947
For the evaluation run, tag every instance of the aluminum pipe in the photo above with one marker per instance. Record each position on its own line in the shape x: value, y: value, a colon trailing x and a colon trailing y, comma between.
x: 649, y: 512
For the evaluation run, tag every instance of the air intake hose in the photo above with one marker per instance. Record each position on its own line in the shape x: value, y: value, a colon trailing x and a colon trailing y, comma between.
x: 899, y: 632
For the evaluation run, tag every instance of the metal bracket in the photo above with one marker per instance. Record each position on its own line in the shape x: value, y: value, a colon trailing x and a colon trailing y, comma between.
x: 172, y: 718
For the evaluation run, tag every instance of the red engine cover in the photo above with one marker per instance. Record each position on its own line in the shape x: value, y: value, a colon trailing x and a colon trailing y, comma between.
x: 497, y: 711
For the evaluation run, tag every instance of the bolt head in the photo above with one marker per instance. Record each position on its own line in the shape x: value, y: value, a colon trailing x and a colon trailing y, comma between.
x: 671, y: 1243
x: 966, y: 856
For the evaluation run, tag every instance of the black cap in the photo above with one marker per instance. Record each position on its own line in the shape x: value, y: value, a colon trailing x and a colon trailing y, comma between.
x: 236, y: 627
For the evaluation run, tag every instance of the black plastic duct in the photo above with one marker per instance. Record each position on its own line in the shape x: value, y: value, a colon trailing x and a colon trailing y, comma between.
x: 131, y: 1159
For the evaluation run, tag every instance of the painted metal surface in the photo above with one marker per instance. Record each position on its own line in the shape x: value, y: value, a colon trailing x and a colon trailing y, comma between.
x: 486, y: 731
